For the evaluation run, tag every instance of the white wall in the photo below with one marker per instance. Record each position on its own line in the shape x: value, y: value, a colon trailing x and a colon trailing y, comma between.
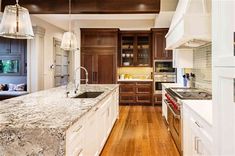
x: 51, y: 32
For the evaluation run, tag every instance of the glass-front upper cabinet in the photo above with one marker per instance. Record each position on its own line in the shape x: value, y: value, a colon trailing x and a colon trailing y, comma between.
x: 127, y: 50
x: 143, y: 50
x: 135, y: 49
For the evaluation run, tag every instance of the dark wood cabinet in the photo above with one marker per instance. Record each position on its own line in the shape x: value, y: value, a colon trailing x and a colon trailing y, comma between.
x: 159, y: 44
x: 135, y: 49
x: 157, y: 99
x: 99, y: 55
x: 135, y: 92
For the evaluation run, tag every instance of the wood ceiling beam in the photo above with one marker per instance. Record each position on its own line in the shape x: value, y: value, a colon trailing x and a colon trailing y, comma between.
x: 88, y: 6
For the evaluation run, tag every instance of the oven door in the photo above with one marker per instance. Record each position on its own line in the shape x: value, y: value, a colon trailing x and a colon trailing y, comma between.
x: 174, y: 121
x: 158, y: 86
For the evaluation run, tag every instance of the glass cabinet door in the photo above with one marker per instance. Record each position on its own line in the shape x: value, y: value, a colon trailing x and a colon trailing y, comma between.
x: 143, y: 51
x: 127, y: 50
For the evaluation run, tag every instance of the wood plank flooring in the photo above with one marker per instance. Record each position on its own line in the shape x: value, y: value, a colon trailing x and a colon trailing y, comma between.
x: 140, y: 131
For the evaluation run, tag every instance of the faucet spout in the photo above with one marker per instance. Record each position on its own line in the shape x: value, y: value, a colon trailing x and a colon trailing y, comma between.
x: 86, y: 79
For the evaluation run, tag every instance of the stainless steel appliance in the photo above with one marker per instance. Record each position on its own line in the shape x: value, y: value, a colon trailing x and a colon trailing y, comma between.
x: 164, y: 67
x: 163, y: 73
x: 173, y: 102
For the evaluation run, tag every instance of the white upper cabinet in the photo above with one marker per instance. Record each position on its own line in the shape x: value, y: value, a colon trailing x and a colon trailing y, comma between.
x: 223, y: 33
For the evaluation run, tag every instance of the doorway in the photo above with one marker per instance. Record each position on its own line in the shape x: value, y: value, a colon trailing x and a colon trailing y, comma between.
x: 61, y: 62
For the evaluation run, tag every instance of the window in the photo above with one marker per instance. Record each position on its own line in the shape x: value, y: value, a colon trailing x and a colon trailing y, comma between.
x: 10, y: 66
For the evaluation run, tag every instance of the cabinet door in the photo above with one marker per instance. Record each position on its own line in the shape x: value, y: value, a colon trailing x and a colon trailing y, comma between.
x: 223, y: 33
x: 143, y: 50
x: 17, y: 46
x: 106, y: 68
x: 224, y: 110
x: 159, y: 45
x: 127, y: 88
x: 144, y: 98
x: 99, y: 37
x: 90, y: 138
x: 4, y: 46
x: 88, y: 61
x: 144, y: 88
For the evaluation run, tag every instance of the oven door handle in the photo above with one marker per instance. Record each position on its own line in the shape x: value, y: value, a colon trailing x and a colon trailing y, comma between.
x: 168, y: 105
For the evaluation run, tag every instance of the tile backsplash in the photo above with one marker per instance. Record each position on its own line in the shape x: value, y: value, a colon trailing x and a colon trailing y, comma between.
x: 136, y: 72
x: 202, y: 67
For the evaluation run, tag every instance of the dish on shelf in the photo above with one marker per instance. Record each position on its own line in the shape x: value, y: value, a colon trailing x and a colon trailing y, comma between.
x: 126, y: 63
x: 128, y: 55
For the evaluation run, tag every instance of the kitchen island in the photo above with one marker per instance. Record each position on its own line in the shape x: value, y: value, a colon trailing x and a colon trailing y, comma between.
x: 47, y: 123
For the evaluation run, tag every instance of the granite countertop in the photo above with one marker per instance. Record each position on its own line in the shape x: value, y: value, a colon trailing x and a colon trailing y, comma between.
x: 49, y: 108
x: 36, y: 124
x: 203, y: 108
x: 134, y: 80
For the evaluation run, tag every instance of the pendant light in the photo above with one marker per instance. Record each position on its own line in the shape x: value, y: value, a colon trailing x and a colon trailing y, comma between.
x: 69, y: 41
x: 16, y: 23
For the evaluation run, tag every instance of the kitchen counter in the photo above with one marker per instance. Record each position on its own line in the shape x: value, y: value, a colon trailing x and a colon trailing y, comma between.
x: 37, y: 122
x: 203, y: 108
x: 169, y: 85
x: 135, y: 80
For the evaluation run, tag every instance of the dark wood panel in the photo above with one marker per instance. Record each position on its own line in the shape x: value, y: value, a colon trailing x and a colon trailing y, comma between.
x: 136, y: 44
x: 102, y: 45
x: 142, y: 91
x: 127, y: 88
x: 159, y: 44
x: 99, y: 37
x: 143, y: 98
x: 88, y: 6
x: 106, y: 68
x: 87, y: 61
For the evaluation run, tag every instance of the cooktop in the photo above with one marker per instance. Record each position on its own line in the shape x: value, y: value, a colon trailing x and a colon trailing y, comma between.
x: 190, y: 93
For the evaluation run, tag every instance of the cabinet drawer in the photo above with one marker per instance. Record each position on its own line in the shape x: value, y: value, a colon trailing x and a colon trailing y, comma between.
x: 74, y: 139
x: 143, y: 98
x: 127, y: 98
x: 127, y: 88
x: 158, y: 98
x: 144, y: 89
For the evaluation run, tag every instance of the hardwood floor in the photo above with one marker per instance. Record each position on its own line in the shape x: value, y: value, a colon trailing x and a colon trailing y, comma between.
x: 140, y: 131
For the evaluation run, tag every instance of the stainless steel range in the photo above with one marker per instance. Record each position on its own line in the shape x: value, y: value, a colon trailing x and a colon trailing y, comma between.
x: 173, y: 102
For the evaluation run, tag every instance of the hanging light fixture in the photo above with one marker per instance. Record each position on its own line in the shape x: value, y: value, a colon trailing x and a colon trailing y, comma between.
x: 16, y: 23
x: 69, y: 41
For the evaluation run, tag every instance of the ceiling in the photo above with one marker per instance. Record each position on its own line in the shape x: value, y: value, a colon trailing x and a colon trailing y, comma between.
x: 88, y: 6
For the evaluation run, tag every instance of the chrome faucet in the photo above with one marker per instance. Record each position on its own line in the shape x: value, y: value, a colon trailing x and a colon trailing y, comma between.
x: 75, y: 73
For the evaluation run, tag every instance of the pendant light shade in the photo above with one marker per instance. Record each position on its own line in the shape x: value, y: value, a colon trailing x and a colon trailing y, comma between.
x: 16, y: 23
x: 69, y: 41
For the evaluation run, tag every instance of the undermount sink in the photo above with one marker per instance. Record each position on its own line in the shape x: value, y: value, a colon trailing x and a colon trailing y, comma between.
x: 89, y: 95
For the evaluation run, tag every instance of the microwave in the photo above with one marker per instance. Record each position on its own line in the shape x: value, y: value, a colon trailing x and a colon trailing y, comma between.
x: 163, y: 66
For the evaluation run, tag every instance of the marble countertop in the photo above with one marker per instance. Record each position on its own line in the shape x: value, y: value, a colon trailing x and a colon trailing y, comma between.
x: 134, y: 80
x: 201, y: 107
x: 49, y: 108
x: 169, y: 85
x: 36, y: 124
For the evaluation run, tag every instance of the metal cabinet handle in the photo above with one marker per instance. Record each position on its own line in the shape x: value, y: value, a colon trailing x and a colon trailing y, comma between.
x: 197, y: 140
x: 94, y: 76
x: 175, y: 115
x: 77, y: 130
x: 195, y: 143
x: 198, y: 124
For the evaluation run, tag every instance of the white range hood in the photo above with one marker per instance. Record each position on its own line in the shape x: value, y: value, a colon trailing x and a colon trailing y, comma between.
x: 191, y: 25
